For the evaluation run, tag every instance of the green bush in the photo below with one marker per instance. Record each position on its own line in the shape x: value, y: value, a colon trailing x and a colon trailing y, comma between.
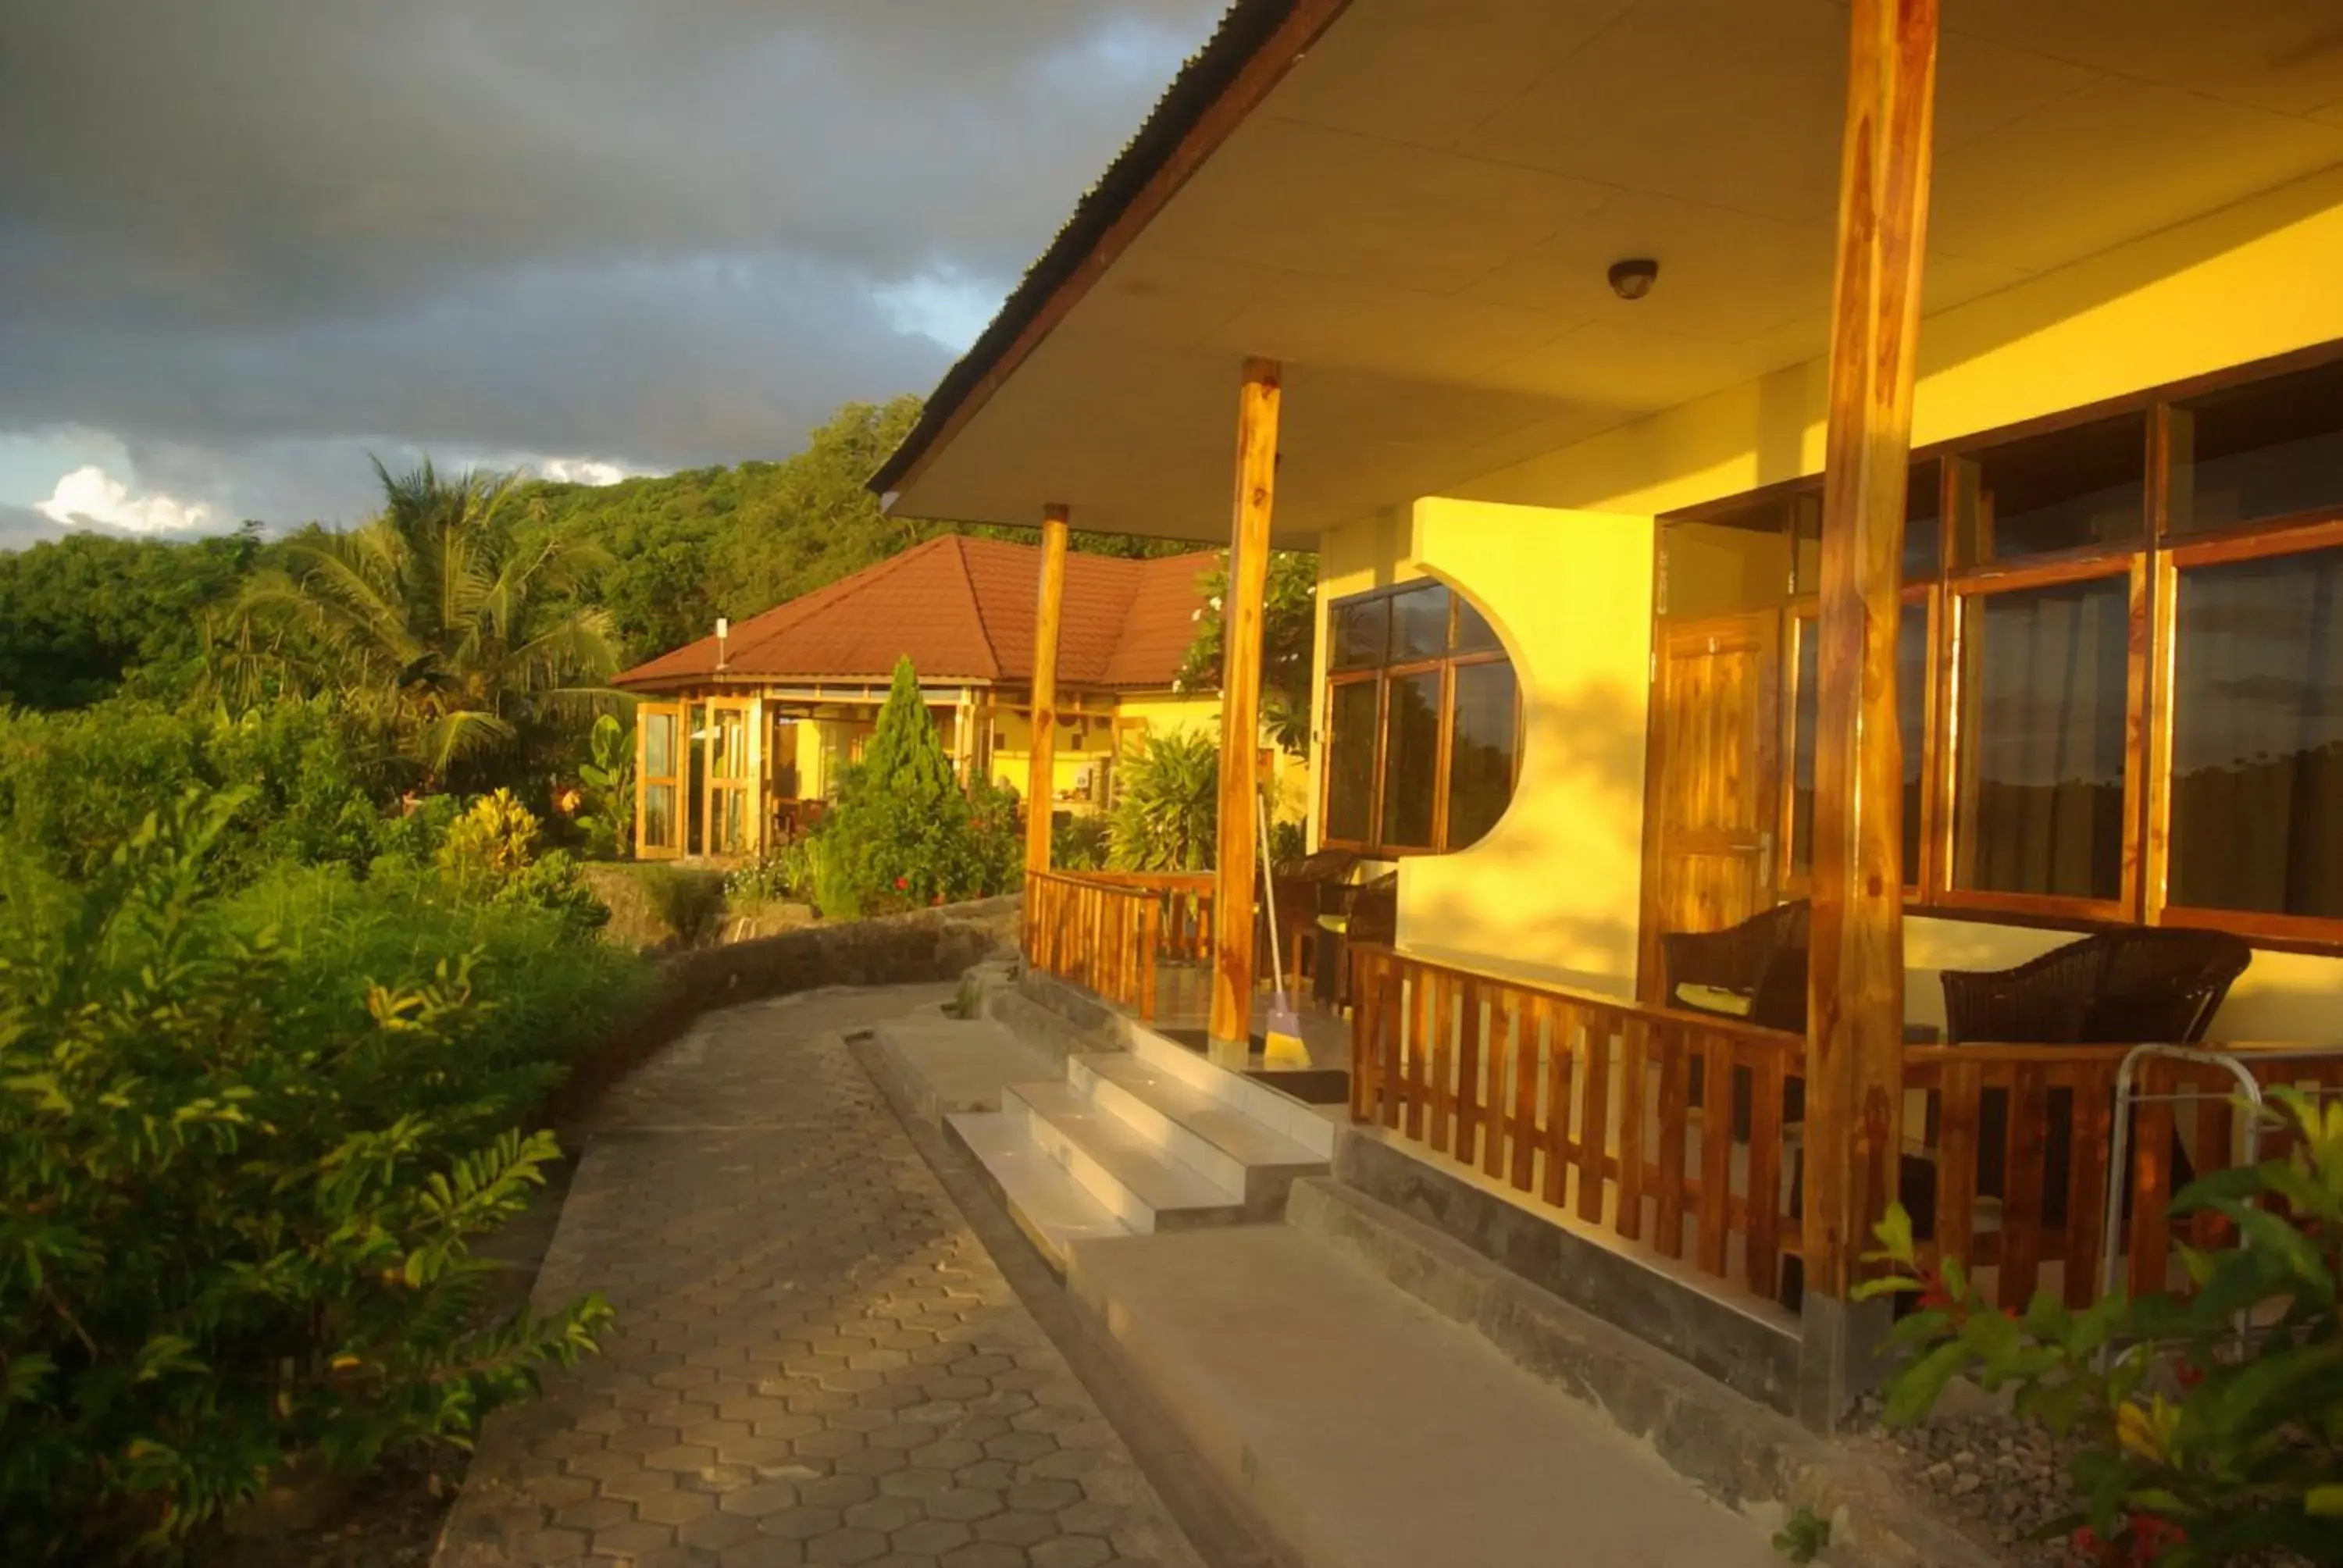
x: 490, y: 854
x: 608, y: 781
x: 247, y: 1142
x: 2193, y: 1445
x: 902, y: 833
x: 1167, y: 804
x: 780, y: 873
x: 689, y: 900
x: 1078, y: 843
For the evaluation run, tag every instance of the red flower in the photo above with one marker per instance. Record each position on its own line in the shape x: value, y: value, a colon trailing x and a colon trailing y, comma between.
x: 902, y: 884
x: 2188, y: 1376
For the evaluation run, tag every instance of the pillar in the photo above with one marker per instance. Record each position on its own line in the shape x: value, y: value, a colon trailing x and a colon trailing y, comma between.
x: 1854, y: 1040
x: 1229, y: 1027
x: 1039, y: 773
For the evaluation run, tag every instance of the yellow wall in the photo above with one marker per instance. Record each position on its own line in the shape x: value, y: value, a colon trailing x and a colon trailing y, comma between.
x: 1012, y: 757
x: 1554, y: 887
x: 1551, y: 892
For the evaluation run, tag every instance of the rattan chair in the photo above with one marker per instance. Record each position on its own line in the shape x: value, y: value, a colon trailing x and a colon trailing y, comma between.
x: 1367, y: 912
x: 1762, y: 960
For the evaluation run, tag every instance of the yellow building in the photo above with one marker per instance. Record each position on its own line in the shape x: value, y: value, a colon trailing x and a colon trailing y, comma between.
x: 740, y: 738
x: 1644, y: 611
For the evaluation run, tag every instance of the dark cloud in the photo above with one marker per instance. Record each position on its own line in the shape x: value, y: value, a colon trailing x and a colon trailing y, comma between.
x: 254, y: 231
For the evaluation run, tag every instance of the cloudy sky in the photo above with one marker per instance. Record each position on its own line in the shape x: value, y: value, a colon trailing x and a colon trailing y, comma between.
x: 245, y: 243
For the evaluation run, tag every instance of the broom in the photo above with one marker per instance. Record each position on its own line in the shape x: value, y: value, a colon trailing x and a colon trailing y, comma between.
x: 1283, y: 1047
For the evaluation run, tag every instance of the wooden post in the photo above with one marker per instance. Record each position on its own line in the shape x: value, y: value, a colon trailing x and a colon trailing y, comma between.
x: 1039, y: 791
x: 1855, y: 1042
x: 1230, y: 1023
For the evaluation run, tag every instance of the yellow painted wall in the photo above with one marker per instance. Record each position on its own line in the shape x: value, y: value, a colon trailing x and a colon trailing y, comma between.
x: 1550, y: 893
x: 2251, y: 281
x: 1012, y: 755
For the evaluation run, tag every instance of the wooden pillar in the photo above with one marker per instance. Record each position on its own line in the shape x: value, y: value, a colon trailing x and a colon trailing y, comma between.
x: 1231, y: 1024
x: 1855, y: 1042
x: 1037, y: 781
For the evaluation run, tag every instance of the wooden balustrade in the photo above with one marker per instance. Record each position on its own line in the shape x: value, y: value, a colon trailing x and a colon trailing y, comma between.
x: 1108, y: 931
x: 1681, y: 1131
x: 1586, y: 1102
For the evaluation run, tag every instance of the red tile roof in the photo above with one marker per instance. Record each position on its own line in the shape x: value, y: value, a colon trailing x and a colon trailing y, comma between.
x: 963, y: 608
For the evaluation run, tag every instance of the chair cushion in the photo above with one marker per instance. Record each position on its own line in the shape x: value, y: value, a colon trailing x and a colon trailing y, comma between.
x: 1714, y: 999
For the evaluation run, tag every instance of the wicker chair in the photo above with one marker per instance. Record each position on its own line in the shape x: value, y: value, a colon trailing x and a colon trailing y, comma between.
x: 1367, y: 912
x: 1302, y: 890
x: 1763, y: 959
x: 2117, y: 989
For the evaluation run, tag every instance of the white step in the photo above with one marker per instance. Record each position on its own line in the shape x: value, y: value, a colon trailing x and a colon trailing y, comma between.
x: 1049, y: 1205
x: 1130, y: 1175
x: 1279, y: 1112
x: 1202, y: 1131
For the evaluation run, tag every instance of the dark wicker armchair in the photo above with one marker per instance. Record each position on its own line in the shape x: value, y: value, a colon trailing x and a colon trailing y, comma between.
x: 1763, y: 959
x: 2117, y: 989
x: 1352, y: 913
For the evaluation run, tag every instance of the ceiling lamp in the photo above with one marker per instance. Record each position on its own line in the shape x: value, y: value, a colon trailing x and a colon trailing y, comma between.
x: 1632, y: 279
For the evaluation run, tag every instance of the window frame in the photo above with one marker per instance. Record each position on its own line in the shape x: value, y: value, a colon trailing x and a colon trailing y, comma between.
x: 1446, y: 663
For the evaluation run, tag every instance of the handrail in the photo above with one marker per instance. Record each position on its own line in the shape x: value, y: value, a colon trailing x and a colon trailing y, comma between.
x: 1108, y: 931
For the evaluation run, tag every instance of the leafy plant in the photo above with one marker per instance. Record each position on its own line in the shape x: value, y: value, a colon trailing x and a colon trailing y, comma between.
x: 490, y: 852
x: 902, y: 833
x: 1167, y: 804
x: 1080, y: 843
x: 242, y: 1199
x: 1288, y: 632
x: 1288, y: 844
x: 2195, y: 1446
x: 689, y: 900
x: 781, y: 873
x: 1803, y: 1536
x: 608, y: 818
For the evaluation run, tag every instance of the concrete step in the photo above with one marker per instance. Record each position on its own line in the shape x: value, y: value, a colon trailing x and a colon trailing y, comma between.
x: 945, y: 1064
x: 1208, y: 1133
x: 1365, y: 1430
x: 1049, y: 1205
x: 1128, y: 1173
x: 1279, y: 1112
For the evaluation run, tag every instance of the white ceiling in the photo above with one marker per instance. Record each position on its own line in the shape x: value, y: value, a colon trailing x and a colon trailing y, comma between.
x: 1419, y: 219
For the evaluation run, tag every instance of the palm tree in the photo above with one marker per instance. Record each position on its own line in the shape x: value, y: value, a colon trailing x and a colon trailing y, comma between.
x: 436, y: 618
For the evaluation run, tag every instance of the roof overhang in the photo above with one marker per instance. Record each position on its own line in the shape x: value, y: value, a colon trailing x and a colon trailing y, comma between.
x: 1413, y: 204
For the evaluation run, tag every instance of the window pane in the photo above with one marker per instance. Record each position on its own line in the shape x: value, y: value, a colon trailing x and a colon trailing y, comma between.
x: 1362, y: 632
x: 658, y: 744
x: 1480, y: 751
x: 1419, y: 624
x: 1737, y: 561
x: 2257, y: 737
x: 1473, y: 632
x: 2040, y: 801
x: 1351, y: 762
x: 1411, y: 761
x: 2062, y: 491
x: 1924, y: 522
x: 2272, y: 450
x: 1911, y: 709
x: 659, y: 816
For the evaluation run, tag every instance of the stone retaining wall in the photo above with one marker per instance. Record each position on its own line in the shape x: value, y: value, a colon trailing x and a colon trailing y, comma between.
x: 936, y: 944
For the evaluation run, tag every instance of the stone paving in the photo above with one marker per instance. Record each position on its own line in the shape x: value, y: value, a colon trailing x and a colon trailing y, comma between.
x: 815, y: 1361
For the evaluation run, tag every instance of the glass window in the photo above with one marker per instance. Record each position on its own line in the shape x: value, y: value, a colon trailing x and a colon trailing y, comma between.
x: 659, y: 816
x: 1473, y: 632
x: 2272, y: 450
x: 1362, y: 633
x: 1923, y: 523
x: 2257, y: 737
x: 2063, y: 491
x: 1481, y: 750
x: 1411, y: 759
x: 1351, y: 762
x: 658, y: 744
x: 1419, y: 627
x: 2038, y: 808
x: 1735, y: 561
x: 1911, y: 710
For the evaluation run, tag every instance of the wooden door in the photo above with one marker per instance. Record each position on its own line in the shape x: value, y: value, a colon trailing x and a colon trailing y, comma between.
x: 733, y: 829
x: 1714, y: 777
x: 658, y: 781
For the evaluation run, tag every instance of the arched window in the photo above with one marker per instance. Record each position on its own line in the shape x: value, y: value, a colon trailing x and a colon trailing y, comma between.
x: 1423, y: 723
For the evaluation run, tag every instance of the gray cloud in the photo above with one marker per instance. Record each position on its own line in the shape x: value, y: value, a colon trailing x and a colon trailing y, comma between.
x: 245, y: 235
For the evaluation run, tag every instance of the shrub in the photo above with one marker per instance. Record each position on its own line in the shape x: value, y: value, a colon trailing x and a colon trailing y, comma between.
x: 609, y: 781
x: 689, y: 900
x: 902, y: 833
x: 245, y: 1172
x: 489, y: 853
x: 2193, y: 1445
x: 780, y: 873
x: 1078, y: 843
x: 1167, y: 804
x: 1288, y: 844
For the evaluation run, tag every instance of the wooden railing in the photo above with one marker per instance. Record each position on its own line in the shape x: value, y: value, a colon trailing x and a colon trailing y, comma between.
x: 1680, y: 1130
x: 1109, y: 931
x: 1586, y: 1102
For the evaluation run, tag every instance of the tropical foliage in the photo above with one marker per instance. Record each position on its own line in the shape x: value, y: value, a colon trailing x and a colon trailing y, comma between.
x: 1167, y: 803
x: 2194, y: 1443
x: 249, y: 1140
x: 902, y: 832
x: 436, y: 617
x: 608, y: 817
x: 1289, y: 639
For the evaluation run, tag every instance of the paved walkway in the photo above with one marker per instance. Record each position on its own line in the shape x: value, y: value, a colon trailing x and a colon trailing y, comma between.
x: 815, y: 1361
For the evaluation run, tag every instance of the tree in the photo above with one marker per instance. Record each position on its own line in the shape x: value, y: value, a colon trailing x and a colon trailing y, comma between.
x: 1167, y: 805
x: 436, y: 616
x: 87, y: 614
x: 1289, y: 637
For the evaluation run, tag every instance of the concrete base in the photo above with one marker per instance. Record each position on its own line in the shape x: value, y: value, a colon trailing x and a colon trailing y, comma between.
x: 1367, y: 1431
x: 946, y: 1064
x: 1841, y: 1361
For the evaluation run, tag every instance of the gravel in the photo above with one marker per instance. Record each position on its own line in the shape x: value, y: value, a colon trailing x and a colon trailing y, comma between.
x: 1999, y: 1479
